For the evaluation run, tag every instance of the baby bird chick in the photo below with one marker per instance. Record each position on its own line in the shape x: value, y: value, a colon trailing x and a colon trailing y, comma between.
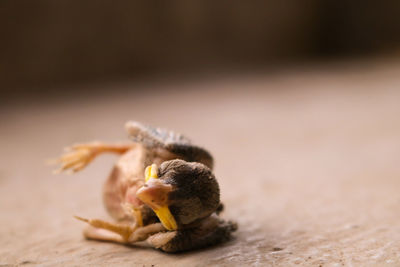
x: 173, y: 207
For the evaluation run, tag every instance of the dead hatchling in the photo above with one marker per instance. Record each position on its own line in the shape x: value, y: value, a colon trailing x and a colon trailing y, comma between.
x: 161, y: 191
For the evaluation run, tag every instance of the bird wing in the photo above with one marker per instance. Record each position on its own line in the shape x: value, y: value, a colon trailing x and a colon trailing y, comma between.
x: 174, y: 142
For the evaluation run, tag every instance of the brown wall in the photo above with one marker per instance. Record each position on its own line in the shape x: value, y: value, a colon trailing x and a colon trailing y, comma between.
x: 47, y: 42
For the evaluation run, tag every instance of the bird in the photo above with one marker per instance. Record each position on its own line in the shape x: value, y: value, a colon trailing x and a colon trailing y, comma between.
x: 162, y: 190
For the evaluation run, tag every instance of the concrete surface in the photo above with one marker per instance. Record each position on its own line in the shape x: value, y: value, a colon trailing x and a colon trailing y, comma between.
x: 307, y: 160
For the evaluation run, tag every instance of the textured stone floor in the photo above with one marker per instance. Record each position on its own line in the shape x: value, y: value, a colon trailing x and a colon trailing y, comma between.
x: 308, y: 162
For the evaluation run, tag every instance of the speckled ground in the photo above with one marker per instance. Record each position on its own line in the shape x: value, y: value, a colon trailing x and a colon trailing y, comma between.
x: 308, y: 162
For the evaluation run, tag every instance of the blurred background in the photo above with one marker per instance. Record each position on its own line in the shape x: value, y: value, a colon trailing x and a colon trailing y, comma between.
x: 46, y: 43
x: 298, y: 102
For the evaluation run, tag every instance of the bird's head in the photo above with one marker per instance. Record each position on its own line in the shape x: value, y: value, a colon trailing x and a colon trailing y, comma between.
x: 180, y: 192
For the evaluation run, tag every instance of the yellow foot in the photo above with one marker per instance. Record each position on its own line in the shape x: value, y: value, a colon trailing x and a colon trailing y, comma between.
x: 125, y: 231
x: 79, y: 156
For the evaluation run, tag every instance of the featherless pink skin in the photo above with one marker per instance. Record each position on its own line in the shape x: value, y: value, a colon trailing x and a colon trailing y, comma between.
x: 161, y: 190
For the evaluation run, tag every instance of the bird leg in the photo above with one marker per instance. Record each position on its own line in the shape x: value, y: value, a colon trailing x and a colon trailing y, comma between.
x: 133, y: 211
x: 79, y: 156
x: 99, y: 234
x: 124, y: 231
x: 142, y: 233
x: 120, y: 233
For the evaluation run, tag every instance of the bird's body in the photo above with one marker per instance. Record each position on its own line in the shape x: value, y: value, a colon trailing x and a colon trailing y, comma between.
x: 173, y: 207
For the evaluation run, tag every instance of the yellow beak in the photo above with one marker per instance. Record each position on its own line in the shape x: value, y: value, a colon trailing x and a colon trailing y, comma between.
x: 151, y: 172
x: 155, y: 195
x: 166, y: 218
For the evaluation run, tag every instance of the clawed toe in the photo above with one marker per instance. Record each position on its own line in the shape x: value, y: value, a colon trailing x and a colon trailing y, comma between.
x: 76, y: 157
x: 79, y: 156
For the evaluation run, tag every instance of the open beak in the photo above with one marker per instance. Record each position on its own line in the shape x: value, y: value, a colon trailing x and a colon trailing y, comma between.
x: 155, y: 194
